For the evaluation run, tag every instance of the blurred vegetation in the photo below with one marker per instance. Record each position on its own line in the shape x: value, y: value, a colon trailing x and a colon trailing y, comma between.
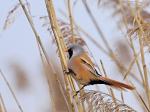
x: 129, y: 58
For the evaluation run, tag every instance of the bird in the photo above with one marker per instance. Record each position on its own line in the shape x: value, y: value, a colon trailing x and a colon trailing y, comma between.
x: 83, y: 70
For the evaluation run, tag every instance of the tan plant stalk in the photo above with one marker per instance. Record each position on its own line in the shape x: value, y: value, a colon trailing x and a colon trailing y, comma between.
x: 131, y: 41
x: 72, y: 32
x: 137, y: 62
x: 38, y: 40
x: 71, y: 19
x: 142, y: 100
x: 12, y: 92
x: 140, y: 34
x: 33, y: 29
x: 41, y: 48
x: 143, y: 63
x: 61, y: 48
x: 2, y: 105
x: 135, y: 54
x: 130, y: 66
x: 138, y: 20
x: 57, y: 33
x: 62, y: 56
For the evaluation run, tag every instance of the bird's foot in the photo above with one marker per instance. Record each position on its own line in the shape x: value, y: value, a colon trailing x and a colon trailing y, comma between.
x: 66, y: 71
x: 76, y: 94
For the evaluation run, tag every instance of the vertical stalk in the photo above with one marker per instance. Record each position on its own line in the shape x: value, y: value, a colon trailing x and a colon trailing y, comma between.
x: 12, y: 92
x: 131, y: 42
x: 38, y: 40
x: 140, y: 36
x: 71, y: 20
x: 2, y: 105
x: 61, y: 48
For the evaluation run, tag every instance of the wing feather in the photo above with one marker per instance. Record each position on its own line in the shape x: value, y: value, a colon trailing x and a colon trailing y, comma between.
x: 89, y: 64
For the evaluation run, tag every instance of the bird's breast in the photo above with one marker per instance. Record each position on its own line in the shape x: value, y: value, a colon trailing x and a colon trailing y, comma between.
x: 81, y: 73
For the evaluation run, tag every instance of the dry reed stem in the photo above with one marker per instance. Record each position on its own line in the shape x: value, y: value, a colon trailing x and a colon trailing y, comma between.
x: 2, y: 104
x: 142, y: 56
x: 145, y: 79
x: 139, y: 100
x: 57, y: 33
x: 61, y: 47
x: 142, y: 100
x: 38, y: 40
x: 135, y: 55
x: 130, y: 66
x: 144, y: 64
x: 40, y: 45
x: 50, y: 9
x: 69, y: 37
x: 131, y: 42
x: 12, y: 92
x: 137, y: 62
x: 34, y: 30
x: 71, y: 19
x: 51, y: 67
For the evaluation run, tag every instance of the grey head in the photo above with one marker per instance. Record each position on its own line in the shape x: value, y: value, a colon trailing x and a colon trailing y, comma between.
x: 74, y: 50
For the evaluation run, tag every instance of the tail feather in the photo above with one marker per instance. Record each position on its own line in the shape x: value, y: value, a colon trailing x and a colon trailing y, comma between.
x: 115, y: 84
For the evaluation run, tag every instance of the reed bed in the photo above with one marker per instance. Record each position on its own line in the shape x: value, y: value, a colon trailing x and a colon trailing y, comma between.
x: 133, y: 23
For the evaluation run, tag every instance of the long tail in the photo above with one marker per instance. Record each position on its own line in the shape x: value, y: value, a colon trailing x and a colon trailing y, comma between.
x: 113, y: 83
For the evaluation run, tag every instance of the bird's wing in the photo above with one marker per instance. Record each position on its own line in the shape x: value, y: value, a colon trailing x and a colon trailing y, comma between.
x: 89, y: 64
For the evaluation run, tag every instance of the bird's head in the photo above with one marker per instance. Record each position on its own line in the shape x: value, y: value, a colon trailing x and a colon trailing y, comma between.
x: 74, y: 50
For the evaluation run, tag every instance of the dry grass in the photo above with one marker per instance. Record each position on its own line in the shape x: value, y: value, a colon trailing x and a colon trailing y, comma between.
x: 12, y: 92
x: 2, y: 105
x: 133, y: 22
x: 102, y: 102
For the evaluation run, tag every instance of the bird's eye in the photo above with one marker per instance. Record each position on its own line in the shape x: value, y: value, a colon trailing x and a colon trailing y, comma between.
x: 70, y: 52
